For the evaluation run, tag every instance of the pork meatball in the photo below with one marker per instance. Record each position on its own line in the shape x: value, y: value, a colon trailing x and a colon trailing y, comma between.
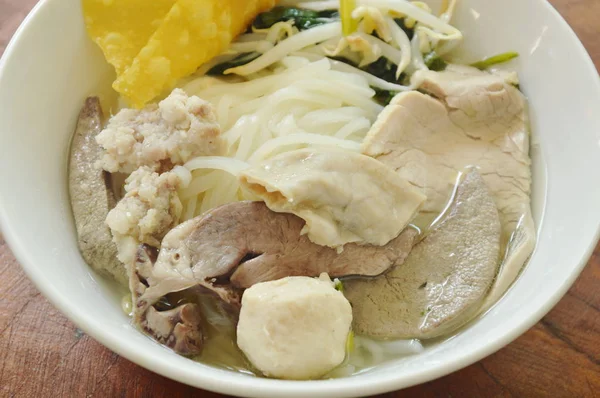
x: 294, y: 328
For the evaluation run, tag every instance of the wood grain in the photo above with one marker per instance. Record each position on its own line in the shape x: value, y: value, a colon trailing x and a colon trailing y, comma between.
x: 42, y: 354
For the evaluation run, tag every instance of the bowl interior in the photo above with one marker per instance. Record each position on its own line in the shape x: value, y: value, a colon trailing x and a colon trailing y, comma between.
x: 51, y: 66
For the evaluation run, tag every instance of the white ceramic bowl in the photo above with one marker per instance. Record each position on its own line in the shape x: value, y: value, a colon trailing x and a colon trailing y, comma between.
x: 51, y: 66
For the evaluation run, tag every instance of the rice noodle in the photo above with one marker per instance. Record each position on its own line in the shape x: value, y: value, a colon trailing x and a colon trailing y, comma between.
x: 301, y: 139
x: 184, y: 174
x: 262, y: 86
x: 200, y: 185
x: 361, y: 124
x: 223, y: 108
x: 232, y: 166
x: 291, y: 62
x: 320, y: 117
x: 355, y: 96
x: 190, y: 209
x: 373, y: 81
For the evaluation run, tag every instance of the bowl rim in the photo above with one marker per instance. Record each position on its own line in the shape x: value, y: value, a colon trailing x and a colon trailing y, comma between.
x: 268, y: 387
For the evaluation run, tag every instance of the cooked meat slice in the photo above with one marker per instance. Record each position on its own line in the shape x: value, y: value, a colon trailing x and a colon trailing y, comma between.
x: 149, y: 209
x: 445, y: 278
x: 294, y: 328
x: 457, y: 81
x: 294, y: 261
x: 179, y: 328
x: 160, y: 136
x: 91, y: 195
x: 241, y: 244
x: 343, y: 197
x: 479, y: 120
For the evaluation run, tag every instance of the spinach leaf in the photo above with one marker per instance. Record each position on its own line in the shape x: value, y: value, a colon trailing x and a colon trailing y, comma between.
x: 434, y: 61
x: 384, y: 97
x: 240, y: 60
x: 383, y: 68
x: 303, y: 19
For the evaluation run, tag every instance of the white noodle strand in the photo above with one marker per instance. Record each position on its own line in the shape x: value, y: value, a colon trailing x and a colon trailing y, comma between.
x: 301, y: 139
x: 231, y: 166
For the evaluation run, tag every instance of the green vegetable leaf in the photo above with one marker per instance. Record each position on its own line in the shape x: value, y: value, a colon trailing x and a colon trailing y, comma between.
x: 384, y: 97
x: 496, y: 59
x: 384, y: 69
x: 338, y: 285
x: 242, y: 59
x: 303, y: 19
x: 434, y: 62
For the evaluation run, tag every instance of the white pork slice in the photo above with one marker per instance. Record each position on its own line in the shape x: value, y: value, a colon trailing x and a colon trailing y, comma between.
x: 343, y: 197
x: 480, y: 120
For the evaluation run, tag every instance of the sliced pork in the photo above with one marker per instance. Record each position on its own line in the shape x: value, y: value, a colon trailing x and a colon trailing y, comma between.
x: 241, y: 244
x: 478, y: 119
x: 343, y: 197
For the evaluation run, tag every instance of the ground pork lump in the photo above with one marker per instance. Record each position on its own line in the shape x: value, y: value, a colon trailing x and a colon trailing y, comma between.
x: 150, y: 208
x: 160, y: 136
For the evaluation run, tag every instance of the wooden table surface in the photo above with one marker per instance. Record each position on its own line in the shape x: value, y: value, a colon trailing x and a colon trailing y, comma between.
x: 44, y: 355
